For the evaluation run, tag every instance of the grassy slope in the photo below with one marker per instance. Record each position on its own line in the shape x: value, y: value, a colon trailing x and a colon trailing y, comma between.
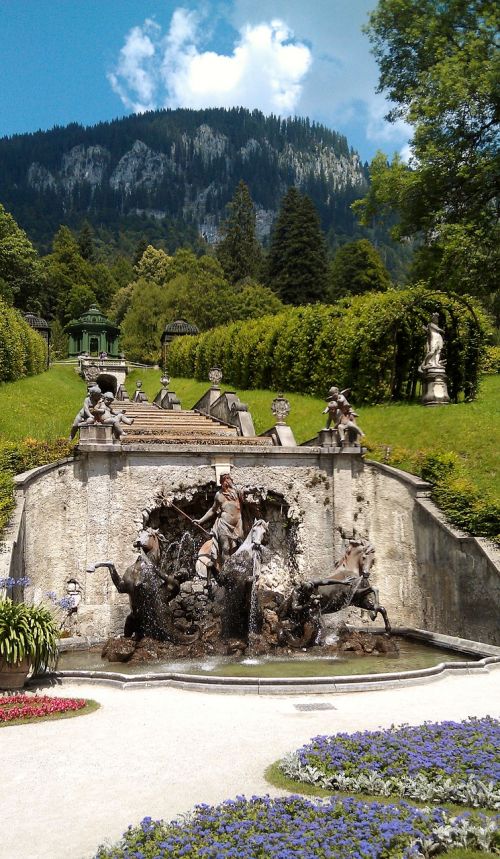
x: 470, y: 429
x: 41, y: 407
x: 44, y: 407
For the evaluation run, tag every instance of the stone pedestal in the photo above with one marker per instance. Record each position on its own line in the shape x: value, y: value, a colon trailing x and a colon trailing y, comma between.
x: 328, y: 438
x: 96, y: 434
x: 434, y: 387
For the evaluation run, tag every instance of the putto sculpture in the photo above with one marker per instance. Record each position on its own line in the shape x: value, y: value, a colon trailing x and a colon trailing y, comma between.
x: 98, y: 409
x: 343, y: 417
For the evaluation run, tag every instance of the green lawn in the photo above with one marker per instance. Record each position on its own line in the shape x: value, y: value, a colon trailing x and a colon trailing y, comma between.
x: 41, y: 407
x: 44, y: 407
x: 470, y: 429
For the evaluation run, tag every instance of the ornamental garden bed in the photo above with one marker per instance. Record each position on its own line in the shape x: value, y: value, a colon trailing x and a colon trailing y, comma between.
x: 440, y: 757
x: 454, y: 762
x: 23, y: 709
x: 298, y: 828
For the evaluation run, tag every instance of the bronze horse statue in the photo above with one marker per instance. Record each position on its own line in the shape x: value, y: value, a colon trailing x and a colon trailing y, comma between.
x: 205, y: 564
x: 235, y: 579
x: 349, y: 585
x: 301, y: 612
x: 149, y: 591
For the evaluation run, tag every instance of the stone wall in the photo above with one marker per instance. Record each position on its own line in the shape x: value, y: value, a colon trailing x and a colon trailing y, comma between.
x: 90, y: 510
x: 87, y: 510
x: 459, y: 576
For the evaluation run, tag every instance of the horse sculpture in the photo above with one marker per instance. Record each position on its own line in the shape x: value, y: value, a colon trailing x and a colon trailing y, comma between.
x: 301, y: 613
x: 205, y: 564
x: 236, y: 578
x: 349, y: 585
x: 149, y: 590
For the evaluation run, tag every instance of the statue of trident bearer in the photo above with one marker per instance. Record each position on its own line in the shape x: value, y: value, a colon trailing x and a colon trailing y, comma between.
x: 227, y: 530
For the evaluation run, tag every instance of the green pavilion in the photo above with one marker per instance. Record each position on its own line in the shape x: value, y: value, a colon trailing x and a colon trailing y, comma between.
x: 93, y: 333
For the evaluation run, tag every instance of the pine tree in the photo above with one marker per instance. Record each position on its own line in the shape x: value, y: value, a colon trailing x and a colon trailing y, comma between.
x: 297, y: 262
x: 86, y: 242
x: 141, y: 247
x: 239, y: 252
x: 356, y: 268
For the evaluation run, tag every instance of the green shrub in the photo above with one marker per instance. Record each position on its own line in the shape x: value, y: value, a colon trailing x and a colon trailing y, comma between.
x: 16, y: 457
x: 490, y: 362
x: 23, y: 352
x: 371, y: 343
x: 461, y: 502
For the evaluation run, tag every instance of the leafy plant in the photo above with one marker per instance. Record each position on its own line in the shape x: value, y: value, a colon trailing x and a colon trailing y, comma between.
x: 371, y: 343
x: 433, y: 762
x: 27, y: 632
x: 292, y: 826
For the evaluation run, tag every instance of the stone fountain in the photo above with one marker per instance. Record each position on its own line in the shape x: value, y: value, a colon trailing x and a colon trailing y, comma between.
x: 220, y: 593
x: 276, y: 558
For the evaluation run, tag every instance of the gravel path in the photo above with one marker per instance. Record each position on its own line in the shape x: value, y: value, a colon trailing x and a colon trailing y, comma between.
x: 68, y: 785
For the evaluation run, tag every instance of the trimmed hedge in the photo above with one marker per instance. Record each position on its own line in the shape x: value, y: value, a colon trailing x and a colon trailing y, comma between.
x: 16, y: 457
x: 23, y: 352
x: 371, y: 343
x: 491, y: 360
x: 462, y: 503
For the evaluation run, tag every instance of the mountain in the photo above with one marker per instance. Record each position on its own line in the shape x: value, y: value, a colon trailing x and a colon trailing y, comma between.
x: 180, y: 164
x: 167, y: 175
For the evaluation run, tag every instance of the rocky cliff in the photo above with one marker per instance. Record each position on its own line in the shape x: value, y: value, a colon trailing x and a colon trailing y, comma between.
x: 180, y: 164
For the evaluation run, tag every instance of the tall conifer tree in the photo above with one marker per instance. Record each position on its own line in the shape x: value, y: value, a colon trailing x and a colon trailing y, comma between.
x: 356, y: 268
x: 297, y: 262
x: 239, y: 252
x: 86, y: 242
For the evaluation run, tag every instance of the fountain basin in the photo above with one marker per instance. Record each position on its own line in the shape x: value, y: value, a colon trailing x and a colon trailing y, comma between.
x: 423, y: 656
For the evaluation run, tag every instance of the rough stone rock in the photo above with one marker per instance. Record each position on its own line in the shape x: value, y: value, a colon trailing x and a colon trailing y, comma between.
x: 235, y: 647
x: 198, y: 587
x: 119, y: 649
x: 365, y: 642
x: 139, y: 167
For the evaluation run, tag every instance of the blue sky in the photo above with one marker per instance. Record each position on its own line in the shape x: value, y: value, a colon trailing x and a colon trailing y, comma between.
x: 90, y: 60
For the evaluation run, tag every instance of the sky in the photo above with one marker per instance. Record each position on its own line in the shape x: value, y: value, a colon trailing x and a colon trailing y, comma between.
x: 85, y: 61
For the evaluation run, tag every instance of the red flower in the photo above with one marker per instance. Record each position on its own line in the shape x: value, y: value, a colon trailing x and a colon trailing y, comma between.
x: 22, y: 706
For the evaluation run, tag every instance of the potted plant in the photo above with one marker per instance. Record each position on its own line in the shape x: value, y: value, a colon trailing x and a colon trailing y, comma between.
x: 28, y: 641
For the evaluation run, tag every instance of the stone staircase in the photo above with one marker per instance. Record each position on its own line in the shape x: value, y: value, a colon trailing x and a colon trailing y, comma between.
x: 159, y: 426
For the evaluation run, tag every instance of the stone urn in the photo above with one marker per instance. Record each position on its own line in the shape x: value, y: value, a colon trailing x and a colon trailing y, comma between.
x: 13, y: 674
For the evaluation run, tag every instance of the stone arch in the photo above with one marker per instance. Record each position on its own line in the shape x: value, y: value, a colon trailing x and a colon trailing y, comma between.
x: 107, y: 382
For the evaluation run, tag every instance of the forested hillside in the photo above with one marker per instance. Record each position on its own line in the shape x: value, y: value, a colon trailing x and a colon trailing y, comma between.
x: 167, y: 176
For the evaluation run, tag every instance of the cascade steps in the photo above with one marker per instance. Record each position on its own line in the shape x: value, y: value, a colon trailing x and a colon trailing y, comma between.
x: 153, y: 425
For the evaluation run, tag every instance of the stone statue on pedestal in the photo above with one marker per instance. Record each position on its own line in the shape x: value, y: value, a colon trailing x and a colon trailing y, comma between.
x: 432, y: 368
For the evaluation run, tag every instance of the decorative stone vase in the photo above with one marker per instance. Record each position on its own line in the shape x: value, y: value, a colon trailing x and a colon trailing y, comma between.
x: 13, y: 675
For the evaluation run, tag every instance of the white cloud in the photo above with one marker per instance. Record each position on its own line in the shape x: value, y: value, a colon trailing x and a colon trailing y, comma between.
x: 340, y: 90
x: 265, y: 70
x: 378, y: 129
x: 134, y: 78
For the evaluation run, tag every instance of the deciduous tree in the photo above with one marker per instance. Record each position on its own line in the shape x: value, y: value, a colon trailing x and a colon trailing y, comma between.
x: 356, y: 268
x: 21, y: 274
x: 439, y: 65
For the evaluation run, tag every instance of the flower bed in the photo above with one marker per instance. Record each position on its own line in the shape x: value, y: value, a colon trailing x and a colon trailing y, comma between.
x: 261, y: 827
x: 444, y: 762
x: 27, y: 707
